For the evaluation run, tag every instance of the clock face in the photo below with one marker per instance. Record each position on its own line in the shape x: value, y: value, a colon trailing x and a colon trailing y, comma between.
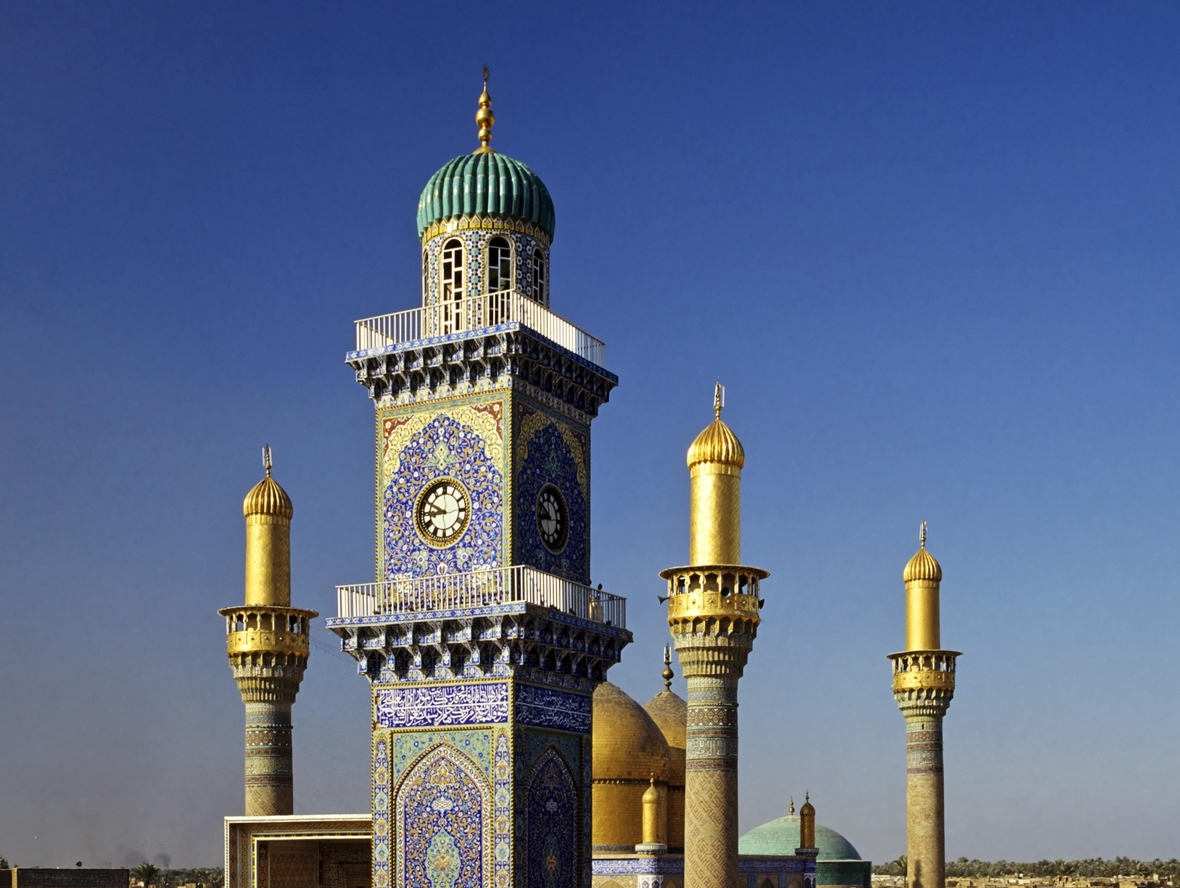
x: 442, y: 512
x: 552, y: 518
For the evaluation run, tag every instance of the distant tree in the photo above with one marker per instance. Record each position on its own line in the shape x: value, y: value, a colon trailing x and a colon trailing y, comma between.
x: 147, y: 873
x: 4, y: 863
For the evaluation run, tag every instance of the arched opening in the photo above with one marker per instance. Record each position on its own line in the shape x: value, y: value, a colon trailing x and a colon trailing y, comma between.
x: 499, y: 282
x: 451, y: 284
x: 540, y: 284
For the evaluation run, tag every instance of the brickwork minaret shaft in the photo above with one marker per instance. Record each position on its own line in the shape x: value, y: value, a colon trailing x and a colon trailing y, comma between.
x: 923, y: 685
x: 267, y: 643
x: 713, y: 614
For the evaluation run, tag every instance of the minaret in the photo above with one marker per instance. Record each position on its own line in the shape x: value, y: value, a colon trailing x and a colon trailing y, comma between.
x: 713, y: 609
x: 923, y: 684
x: 267, y: 643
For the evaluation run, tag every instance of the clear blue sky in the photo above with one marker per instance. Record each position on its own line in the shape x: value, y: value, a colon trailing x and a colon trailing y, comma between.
x: 932, y: 249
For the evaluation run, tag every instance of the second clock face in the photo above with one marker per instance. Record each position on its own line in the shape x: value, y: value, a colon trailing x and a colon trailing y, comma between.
x: 552, y: 518
x: 442, y: 512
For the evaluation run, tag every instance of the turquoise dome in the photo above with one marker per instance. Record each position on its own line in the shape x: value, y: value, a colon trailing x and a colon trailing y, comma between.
x: 781, y: 837
x: 486, y: 184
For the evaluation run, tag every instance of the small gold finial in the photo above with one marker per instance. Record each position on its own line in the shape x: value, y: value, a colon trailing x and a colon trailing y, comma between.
x: 922, y: 536
x: 667, y: 673
x: 791, y: 808
x: 266, y: 459
x: 718, y: 398
x: 485, y: 117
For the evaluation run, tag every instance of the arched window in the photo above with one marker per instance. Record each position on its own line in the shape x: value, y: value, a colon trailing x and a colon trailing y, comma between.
x: 451, y: 284
x: 499, y: 265
x: 540, y: 289
x: 425, y: 276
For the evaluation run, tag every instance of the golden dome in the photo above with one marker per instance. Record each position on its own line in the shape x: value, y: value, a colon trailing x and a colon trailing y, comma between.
x: 670, y: 713
x: 717, y: 443
x: 627, y: 743
x: 923, y: 565
x: 266, y: 497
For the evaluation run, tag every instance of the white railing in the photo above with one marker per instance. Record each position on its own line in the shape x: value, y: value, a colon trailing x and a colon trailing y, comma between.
x: 479, y: 589
x: 487, y: 310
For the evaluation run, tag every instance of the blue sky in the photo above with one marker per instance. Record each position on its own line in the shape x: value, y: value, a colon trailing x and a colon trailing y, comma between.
x: 931, y: 249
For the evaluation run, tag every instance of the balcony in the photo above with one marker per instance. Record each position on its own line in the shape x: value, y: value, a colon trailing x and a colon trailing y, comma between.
x: 482, y: 588
x: 488, y: 310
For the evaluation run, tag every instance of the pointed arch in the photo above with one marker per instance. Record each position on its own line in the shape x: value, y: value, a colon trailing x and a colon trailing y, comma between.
x: 442, y: 814
x: 553, y: 812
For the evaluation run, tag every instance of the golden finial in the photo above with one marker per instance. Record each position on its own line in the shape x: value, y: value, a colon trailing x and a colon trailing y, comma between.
x: 266, y: 459
x: 485, y: 117
x: 718, y: 398
x: 791, y: 807
x: 667, y: 673
x: 922, y: 536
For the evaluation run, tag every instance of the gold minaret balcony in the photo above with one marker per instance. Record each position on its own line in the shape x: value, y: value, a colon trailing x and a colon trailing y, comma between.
x: 923, y: 686
x: 714, y: 610
x: 268, y: 642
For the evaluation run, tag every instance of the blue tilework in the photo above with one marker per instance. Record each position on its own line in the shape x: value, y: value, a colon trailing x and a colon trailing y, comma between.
x: 503, y: 820
x: 441, y: 805
x: 550, y: 461
x: 410, y: 706
x: 475, y: 246
x: 381, y: 836
x: 552, y: 813
x: 549, y: 708
x: 444, y: 448
x: 405, y: 749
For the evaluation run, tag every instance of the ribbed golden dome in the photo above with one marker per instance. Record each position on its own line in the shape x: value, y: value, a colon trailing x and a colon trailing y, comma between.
x: 670, y: 713
x: 923, y: 565
x: 267, y: 498
x: 627, y: 743
x: 717, y: 444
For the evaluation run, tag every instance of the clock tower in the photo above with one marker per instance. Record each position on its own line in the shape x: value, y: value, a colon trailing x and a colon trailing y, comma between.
x: 481, y: 635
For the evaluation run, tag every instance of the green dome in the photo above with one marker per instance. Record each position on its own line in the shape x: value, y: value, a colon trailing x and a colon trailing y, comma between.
x: 781, y: 837
x: 486, y: 184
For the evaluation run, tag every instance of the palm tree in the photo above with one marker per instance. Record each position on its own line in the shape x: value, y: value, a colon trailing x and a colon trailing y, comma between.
x: 902, y: 863
x: 146, y: 873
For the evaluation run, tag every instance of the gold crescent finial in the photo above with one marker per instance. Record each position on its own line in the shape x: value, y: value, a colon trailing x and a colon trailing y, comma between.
x: 667, y: 673
x: 266, y: 459
x: 718, y: 398
x: 485, y: 118
x: 922, y: 535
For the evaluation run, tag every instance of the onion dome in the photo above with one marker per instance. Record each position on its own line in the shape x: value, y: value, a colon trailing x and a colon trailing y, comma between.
x: 627, y: 743
x: 267, y: 497
x: 486, y: 184
x: 923, y: 565
x: 717, y: 443
x: 669, y: 710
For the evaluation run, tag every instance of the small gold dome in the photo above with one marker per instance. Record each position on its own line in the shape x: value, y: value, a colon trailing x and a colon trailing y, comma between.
x: 267, y: 498
x: 717, y: 444
x: 923, y: 565
x: 627, y: 743
x: 670, y: 713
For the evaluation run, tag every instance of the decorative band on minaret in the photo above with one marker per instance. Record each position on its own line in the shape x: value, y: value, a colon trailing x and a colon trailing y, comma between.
x: 713, y: 613
x: 267, y: 643
x: 923, y: 685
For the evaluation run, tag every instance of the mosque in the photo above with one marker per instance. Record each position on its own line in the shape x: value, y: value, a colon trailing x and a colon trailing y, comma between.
x: 502, y: 757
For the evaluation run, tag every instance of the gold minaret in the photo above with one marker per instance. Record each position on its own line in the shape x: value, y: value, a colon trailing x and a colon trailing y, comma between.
x: 713, y: 609
x: 923, y: 685
x: 267, y: 643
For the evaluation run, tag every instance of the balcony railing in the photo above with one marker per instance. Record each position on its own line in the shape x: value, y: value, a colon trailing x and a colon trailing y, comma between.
x: 480, y: 589
x: 474, y: 313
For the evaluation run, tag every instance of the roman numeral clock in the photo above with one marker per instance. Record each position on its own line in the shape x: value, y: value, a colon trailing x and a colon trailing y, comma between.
x: 481, y: 635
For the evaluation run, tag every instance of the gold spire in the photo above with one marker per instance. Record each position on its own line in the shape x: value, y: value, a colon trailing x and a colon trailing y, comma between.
x: 485, y: 117
x: 922, y: 576
x: 807, y: 823
x: 717, y: 443
x: 791, y: 807
x: 667, y: 673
